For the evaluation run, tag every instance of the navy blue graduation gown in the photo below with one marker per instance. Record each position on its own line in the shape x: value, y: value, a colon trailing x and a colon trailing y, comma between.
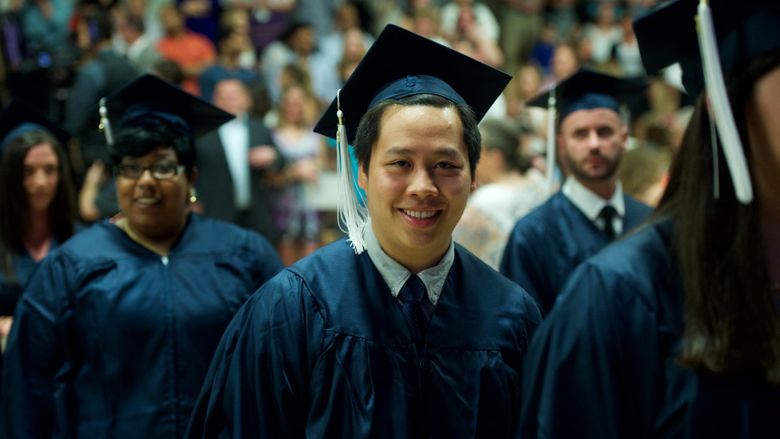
x: 603, y: 364
x: 547, y: 245
x: 23, y: 265
x: 111, y: 340
x: 322, y: 350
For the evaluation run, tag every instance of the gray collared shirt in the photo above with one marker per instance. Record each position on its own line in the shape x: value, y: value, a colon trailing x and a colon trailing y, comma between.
x: 396, y: 275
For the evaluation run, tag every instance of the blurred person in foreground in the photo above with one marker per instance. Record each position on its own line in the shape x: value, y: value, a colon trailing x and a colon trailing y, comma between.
x: 395, y: 331
x: 115, y: 331
x: 504, y: 194
x: 675, y: 331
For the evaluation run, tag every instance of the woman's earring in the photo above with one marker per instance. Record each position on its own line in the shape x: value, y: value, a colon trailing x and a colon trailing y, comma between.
x: 193, y: 195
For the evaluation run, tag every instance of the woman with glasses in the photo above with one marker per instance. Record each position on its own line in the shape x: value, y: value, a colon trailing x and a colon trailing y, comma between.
x: 115, y: 331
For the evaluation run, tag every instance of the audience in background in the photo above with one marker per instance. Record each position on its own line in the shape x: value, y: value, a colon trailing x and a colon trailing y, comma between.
x: 297, y: 223
x: 504, y: 193
x: 192, y: 51
x: 315, y: 44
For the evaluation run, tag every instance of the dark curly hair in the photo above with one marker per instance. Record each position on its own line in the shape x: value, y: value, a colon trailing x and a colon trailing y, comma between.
x: 143, y: 132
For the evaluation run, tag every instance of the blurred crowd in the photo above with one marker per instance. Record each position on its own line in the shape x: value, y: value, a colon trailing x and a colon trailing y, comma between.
x: 278, y: 63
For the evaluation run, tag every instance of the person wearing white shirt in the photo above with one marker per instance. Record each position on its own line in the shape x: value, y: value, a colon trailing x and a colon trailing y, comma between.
x: 591, y: 209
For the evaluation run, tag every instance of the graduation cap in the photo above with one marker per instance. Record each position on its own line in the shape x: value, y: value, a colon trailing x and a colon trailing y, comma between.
x: 399, y: 64
x: 710, y: 38
x: 584, y: 90
x: 588, y: 89
x: 19, y: 118
x: 149, y: 96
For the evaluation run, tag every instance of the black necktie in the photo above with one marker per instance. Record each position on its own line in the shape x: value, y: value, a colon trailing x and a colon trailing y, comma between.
x: 411, y: 296
x: 607, y: 215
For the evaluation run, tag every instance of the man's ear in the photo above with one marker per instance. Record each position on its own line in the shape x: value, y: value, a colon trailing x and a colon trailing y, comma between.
x: 559, y: 144
x: 624, y: 136
x: 362, y: 177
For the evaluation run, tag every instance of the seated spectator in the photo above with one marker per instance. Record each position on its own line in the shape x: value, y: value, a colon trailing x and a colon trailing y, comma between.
x: 470, y: 37
x: 297, y: 45
x: 201, y: 16
x: 236, y: 162
x: 604, y: 33
x: 354, y: 48
x: 346, y: 20
x: 504, y: 194
x: 192, y: 51
x: 644, y: 172
x: 139, y: 49
x: 297, y: 223
x: 102, y: 71
x: 231, y: 45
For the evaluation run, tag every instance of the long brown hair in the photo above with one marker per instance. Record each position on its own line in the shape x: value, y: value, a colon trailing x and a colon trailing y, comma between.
x: 14, y: 207
x: 731, y: 323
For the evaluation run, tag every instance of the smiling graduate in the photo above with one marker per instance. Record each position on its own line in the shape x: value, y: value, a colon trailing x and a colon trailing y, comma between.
x: 116, y: 328
x: 394, y: 331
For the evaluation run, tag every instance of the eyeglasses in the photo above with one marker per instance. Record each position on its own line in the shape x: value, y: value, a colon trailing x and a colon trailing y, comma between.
x: 160, y: 171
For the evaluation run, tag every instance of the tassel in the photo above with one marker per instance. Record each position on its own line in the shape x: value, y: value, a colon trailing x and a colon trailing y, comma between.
x: 352, y: 215
x: 551, y: 141
x: 719, y: 105
x: 105, y: 125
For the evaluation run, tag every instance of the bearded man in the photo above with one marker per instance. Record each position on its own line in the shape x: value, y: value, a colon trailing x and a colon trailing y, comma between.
x: 590, y: 210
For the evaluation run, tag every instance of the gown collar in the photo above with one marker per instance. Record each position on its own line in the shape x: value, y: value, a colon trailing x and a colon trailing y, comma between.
x: 395, y: 275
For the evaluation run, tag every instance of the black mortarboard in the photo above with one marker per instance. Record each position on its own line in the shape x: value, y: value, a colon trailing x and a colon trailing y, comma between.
x: 401, y: 63
x: 151, y: 95
x: 709, y: 39
x: 587, y: 89
x: 743, y: 28
x: 20, y: 117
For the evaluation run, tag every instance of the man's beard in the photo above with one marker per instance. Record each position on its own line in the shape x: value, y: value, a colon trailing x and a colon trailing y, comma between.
x: 578, y: 171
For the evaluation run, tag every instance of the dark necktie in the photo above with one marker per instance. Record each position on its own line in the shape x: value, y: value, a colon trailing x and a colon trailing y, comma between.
x: 607, y: 215
x: 411, y: 295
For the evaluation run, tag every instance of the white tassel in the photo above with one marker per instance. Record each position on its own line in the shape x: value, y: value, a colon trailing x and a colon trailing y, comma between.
x: 105, y: 125
x: 352, y: 215
x: 551, y: 141
x: 719, y: 105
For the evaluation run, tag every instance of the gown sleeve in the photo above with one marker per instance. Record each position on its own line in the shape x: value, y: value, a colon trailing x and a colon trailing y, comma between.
x: 36, y: 364
x: 266, y: 260
x: 257, y: 383
x: 522, y: 263
x: 590, y: 366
